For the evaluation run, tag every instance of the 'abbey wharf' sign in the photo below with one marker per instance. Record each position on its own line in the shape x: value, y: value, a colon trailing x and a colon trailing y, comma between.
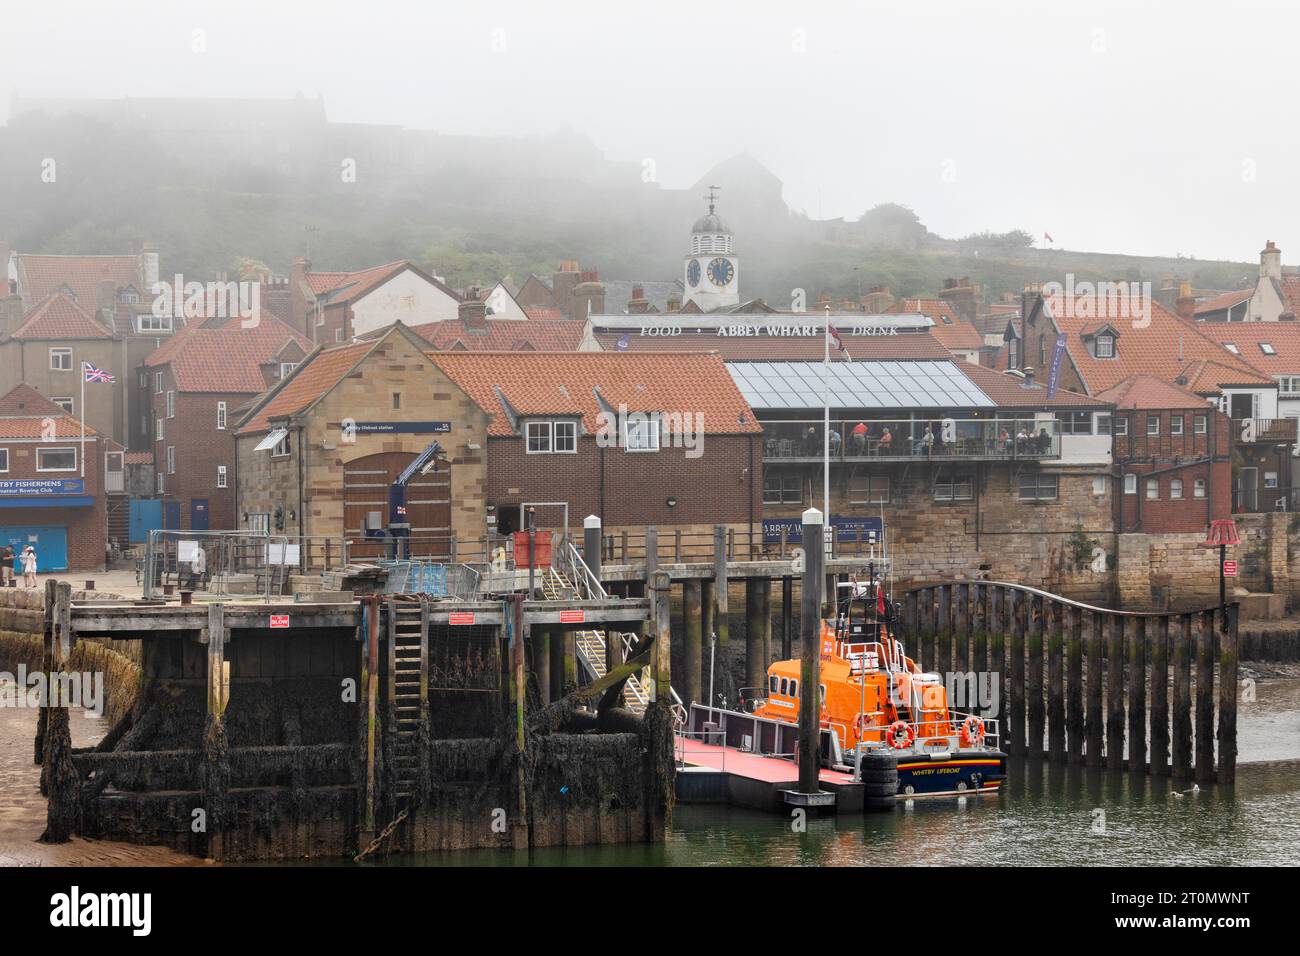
x: 771, y: 329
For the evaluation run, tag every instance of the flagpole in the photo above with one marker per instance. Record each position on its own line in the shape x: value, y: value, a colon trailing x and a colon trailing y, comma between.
x: 83, y: 419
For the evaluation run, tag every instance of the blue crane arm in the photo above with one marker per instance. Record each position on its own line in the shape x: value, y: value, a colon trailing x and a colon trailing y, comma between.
x: 398, y: 523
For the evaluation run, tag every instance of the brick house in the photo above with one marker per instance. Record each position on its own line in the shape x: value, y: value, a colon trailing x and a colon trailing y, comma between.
x: 680, y: 448
x: 196, y: 385
x: 1109, y: 339
x: 954, y: 332
x: 334, y: 307
x: 51, y: 483
x: 317, y: 453
x: 1173, y: 458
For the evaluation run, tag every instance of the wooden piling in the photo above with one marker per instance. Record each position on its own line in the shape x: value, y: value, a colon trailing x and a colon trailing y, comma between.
x: 1205, y: 640
x: 1227, y: 765
x: 1093, y: 721
x: 961, y: 627
x: 1115, y: 694
x: 661, y: 666
x: 787, y: 616
x: 720, y: 583
x: 1056, y: 682
x: 1158, y: 655
x: 810, y: 661
x: 542, y: 662
x: 693, y: 647
x: 1016, y: 714
x: 943, y: 629
x: 1034, y: 676
x: 980, y: 638
x: 1137, y: 695
x: 755, y: 663
x: 370, y: 688
x: 1183, y: 646
x: 997, y: 659
x: 1074, y: 685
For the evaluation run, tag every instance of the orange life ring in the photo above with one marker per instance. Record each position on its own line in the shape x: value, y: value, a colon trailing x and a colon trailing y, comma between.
x: 972, y: 731
x: 900, y: 735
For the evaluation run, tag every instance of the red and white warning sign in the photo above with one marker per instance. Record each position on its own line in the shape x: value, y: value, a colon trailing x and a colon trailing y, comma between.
x: 573, y: 617
x: 279, y: 620
x: 460, y: 618
x: 1229, y: 569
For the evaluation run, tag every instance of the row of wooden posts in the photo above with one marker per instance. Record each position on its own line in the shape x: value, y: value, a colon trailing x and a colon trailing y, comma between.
x: 1083, y: 674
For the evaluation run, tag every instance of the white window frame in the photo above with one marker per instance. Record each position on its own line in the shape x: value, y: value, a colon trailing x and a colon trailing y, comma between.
x: 70, y: 408
x: 287, y: 367
x: 1200, y: 424
x: 159, y: 483
x: 1175, y: 489
x: 543, y: 432
x: 1270, y: 480
x: 61, y: 353
x: 148, y: 322
x: 221, y: 476
x: 158, y: 429
x: 955, y: 486
x: 1099, y: 486
x: 221, y: 416
x: 1177, y: 423
x: 564, y: 433
x: 42, y: 451
x: 1153, y: 426
x: 1119, y: 426
x: 1267, y: 348
x: 171, y: 403
x: 1153, y: 489
x: 1131, y: 483
x: 1105, y: 346
x: 282, y: 449
x: 1288, y: 384
x: 4, y: 460
x: 157, y: 383
x: 171, y: 459
x: 653, y: 426
x: 1198, y: 488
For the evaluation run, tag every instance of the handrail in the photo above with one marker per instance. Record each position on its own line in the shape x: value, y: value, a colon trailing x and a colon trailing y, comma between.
x: 1069, y: 602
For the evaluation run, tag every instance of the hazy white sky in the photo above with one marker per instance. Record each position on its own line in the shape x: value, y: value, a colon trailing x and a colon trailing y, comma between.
x: 1153, y: 127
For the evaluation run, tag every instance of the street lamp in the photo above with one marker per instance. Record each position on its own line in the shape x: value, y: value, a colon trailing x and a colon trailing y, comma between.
x: 1223, y: 532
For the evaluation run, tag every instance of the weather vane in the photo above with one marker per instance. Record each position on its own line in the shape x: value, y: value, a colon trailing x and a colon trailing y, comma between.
x: 713, y: 194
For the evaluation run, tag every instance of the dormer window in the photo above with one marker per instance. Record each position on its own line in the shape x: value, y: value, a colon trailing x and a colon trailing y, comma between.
x: 1105, y: 346
x: 1013, y: 353
x: 551, y: 437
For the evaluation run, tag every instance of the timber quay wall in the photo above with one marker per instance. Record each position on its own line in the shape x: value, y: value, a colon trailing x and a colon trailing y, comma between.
x: 286, y: 730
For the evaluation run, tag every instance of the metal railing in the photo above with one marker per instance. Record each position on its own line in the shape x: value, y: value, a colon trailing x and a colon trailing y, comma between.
x: 456, y: 581
x: 232, y: 563
x: 1266, y: 430
x: 1027, y: 438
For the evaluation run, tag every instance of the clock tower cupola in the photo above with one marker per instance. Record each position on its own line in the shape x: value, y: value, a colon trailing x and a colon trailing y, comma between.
x: 712, y: 271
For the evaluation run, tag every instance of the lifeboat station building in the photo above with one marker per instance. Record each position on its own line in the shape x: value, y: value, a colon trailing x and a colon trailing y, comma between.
x: 637, y: 439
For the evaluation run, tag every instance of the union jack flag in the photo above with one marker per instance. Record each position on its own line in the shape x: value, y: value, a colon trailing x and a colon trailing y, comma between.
x: 93, y: 374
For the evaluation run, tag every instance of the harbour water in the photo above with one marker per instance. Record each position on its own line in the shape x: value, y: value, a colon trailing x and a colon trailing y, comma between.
x: 1047, y: 815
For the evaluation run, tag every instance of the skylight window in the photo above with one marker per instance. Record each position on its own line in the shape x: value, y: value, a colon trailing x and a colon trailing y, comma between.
x: 1267, y: 348
x: 1231, y: 347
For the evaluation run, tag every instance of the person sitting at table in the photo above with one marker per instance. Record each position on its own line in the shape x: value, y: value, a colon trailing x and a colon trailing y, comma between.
x: 927, y: 443
x: 835, y: 443
x: 1004, y: 440
x: 886, y: 441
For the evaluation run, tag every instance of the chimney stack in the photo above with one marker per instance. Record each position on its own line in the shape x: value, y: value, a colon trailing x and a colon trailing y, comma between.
x: 149, y: 267
x: 960, y: 294
x: 588, y: 296
x: 298, y: 291
x: 1028, y: 299
x: 7, y: 284
x: 11, y: 314
x: 473, y: 311
x: 1029, y: 377
x: 638, y: 304
x: 1270, y: 261
x: 877, y: 300
x: 1186, y: 302
x: 563, y: 282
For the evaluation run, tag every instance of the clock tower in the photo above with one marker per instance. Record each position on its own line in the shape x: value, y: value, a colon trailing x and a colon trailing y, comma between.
x: 712, y: 271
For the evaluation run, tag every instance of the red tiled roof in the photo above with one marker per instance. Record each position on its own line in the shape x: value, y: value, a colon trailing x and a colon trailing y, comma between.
x: 1010, y: 390
x: 58, y: 317
x: 951, y: 331
x: 40, y: 276
x: 1167, y: 347
x: 321, y: 282
x: 1225, y: 300
x: 794, y: 348
x: 22, y: 400
x: 139, y: 458
x: 1291, y: 292
x: 65, y: 427
x: 1247, y: 337
x: 1150, y: 391
x: 546, y: 383
x: 226, y: 358
x: 544, y: 312
x: 319, y: 373
x: 503, y: 335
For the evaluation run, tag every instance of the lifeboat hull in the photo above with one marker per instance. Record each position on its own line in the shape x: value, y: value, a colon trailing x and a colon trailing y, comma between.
x: 959, y: 775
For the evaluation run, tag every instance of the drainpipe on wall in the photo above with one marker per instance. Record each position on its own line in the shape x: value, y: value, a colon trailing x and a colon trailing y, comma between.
x: 302, y: 468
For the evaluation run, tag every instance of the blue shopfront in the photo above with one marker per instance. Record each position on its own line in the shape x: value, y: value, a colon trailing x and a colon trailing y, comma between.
x: 38, y: 512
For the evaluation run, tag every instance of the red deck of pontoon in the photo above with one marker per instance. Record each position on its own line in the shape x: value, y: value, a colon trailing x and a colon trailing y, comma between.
x: 750, y: 766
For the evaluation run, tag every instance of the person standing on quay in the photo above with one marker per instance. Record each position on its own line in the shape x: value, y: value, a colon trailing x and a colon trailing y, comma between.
x: 29, y: 566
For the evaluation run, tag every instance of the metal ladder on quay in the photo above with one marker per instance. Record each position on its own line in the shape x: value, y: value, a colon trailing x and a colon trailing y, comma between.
x: 591, y: 645
x: 407, y: 648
